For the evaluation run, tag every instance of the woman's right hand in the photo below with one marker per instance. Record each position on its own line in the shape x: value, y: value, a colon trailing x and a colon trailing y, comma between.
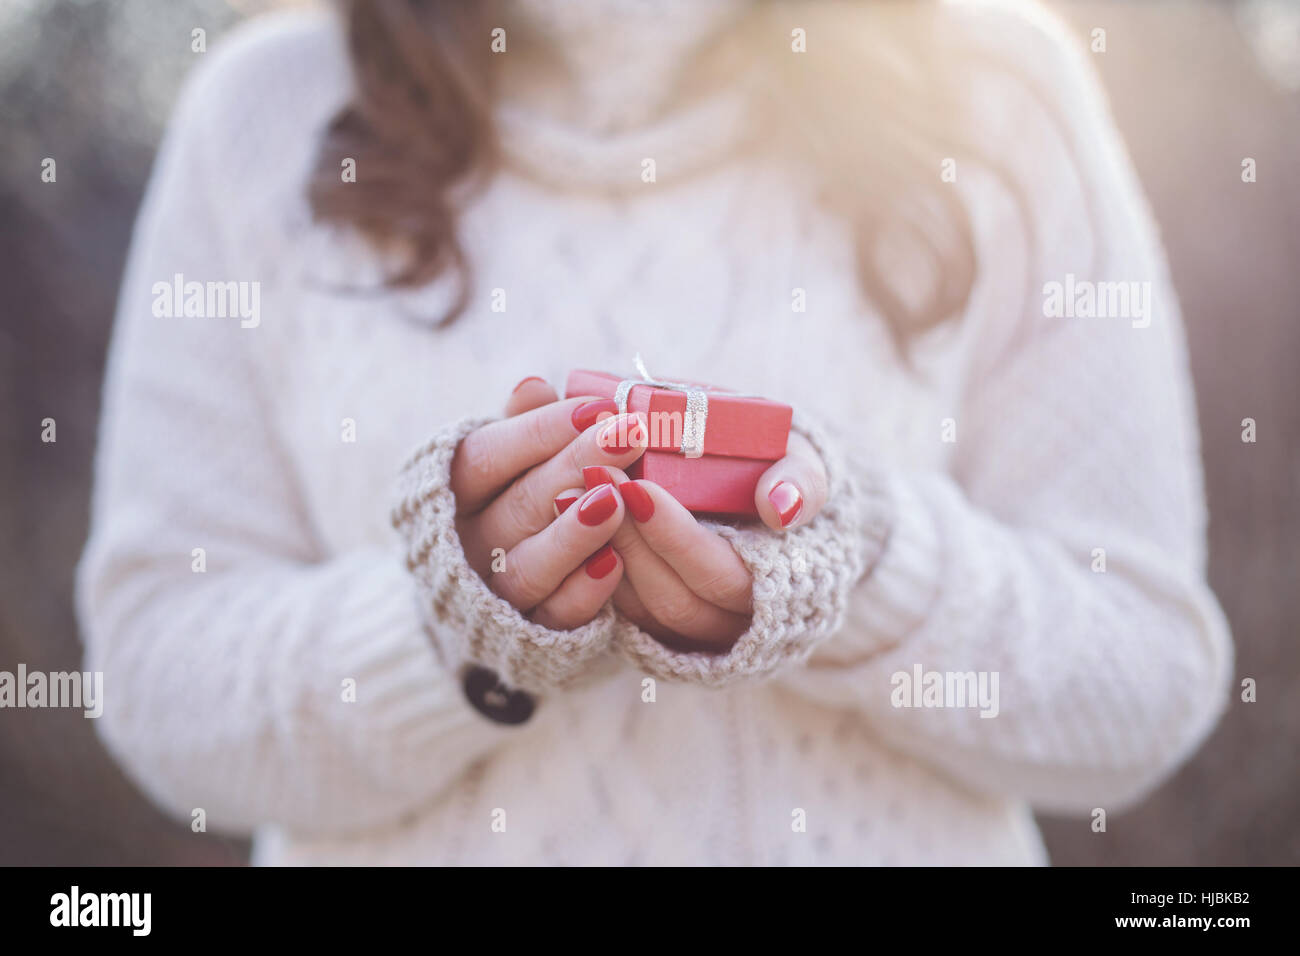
x: 506, y: 476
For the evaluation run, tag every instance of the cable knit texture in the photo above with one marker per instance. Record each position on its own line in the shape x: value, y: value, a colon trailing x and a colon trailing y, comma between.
x: 277, y: 654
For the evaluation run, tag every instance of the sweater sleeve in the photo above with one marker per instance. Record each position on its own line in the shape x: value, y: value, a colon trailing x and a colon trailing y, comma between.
x: 247, y: 671
x: 1063, y: 552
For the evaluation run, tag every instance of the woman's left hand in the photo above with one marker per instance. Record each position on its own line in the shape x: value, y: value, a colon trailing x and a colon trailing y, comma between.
x: 683, y: 583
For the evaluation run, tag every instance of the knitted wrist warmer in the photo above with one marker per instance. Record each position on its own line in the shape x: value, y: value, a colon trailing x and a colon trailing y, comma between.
x: 802, y: 580
x: 468, y: 622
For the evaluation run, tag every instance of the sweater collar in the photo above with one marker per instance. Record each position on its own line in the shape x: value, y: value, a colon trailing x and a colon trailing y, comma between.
x: 591, y: 89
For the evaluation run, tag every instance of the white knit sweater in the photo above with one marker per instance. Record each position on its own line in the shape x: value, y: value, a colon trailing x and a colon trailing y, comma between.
x: 1015, y: 447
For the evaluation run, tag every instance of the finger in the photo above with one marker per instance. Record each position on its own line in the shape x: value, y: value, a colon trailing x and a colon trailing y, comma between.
x: 668, y: 601
x: 793, y: 490
x: 567, y: 499
x: 583, y: 593
x: 626, y: 540
x: 593, y: 475
x: 532, y: 392
x: 479, y: 550
x: 706, y: 563
x: 527, y: 506
x: 629, y: 605
x: 489, y: 458
x: 535, y: 567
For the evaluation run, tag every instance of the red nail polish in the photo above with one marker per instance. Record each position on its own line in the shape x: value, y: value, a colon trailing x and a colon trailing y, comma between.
x: 525, y: 381
x: 787, y: 501
x: 621, y: 435
x: 562, y: 503
x: 597, y: 505
x: 602, y: 562
x: 638, y: 500
x: 594, y: 475
x: 588, y: 413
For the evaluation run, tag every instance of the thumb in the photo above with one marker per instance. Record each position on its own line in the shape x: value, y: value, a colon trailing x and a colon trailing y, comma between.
x: 793, y: 490
x: 532, y: 392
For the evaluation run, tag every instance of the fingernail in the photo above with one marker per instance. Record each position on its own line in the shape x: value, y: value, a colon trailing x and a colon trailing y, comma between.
x: 638, y: 500
x: 562, y: 503
x: 586, y: 414
x: 525, y: 381
x: 594, y: 475
x: 621, y: 435
x: 602, y: 562
x: 787, y: 501
x: 597, y: 505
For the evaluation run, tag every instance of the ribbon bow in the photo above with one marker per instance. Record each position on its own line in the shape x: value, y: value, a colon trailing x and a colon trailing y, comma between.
x: 697, y: 406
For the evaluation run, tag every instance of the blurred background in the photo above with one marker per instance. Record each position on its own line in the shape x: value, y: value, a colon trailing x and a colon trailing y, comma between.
x: 1196, y: 86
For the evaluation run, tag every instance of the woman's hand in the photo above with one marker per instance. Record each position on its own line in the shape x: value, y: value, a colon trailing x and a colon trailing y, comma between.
x: 506, y: 476
x: 682, y: 583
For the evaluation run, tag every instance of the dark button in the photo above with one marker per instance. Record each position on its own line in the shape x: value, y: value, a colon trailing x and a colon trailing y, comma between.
x: 494, y: 700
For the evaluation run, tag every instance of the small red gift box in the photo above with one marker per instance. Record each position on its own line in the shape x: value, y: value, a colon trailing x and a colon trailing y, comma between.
x: 708, y: 447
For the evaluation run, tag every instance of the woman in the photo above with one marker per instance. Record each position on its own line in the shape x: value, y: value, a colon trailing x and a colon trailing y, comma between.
x: 857, y: 209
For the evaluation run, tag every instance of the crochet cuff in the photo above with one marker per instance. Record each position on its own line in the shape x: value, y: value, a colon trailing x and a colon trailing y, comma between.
x: 469, y: 623
x: 802, y: 580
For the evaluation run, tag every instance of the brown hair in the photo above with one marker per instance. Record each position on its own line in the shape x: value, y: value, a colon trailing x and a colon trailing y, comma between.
x: 873, y: 113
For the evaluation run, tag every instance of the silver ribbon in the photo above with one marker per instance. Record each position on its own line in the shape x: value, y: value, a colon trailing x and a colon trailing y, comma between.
x: 697, y: 406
